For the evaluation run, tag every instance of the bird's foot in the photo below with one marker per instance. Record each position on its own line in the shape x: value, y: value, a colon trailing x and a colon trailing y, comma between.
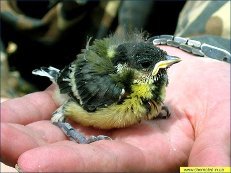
x: 76, y: 136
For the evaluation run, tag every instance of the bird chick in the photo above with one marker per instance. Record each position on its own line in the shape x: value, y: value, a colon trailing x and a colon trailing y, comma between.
x: 113, y: 83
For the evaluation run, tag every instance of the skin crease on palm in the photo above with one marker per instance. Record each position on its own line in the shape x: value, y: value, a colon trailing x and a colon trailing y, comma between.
x: 196, y: 134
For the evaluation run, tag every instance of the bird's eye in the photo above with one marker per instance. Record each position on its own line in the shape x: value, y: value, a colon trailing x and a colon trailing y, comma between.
x: 145, y: 64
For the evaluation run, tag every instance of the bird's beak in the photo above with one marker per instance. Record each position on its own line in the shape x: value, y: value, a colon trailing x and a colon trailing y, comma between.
x: 170, y: 60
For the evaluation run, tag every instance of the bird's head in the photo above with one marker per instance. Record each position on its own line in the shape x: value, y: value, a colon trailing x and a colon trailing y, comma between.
x: 148, y: 63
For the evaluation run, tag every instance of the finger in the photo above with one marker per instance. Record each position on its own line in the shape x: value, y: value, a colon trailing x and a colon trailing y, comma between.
x: 212, y: 145
x: 32, y: 107
x: 17, y: 139
x: 71, y: 157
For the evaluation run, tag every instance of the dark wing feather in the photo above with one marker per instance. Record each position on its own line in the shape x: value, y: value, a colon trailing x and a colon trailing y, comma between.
x: 63, y: 80
x: 95, y: 86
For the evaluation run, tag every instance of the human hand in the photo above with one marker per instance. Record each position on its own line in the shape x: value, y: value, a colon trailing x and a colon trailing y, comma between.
x: 197, y: 132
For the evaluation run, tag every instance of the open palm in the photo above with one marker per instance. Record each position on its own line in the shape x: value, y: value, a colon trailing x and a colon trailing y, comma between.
x: 197, y: 132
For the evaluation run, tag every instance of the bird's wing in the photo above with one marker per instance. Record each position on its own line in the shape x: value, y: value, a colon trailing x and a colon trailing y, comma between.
x: 94, y: 85
x: 91, y: 78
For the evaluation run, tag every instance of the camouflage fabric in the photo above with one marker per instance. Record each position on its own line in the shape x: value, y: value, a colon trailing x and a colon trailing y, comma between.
x: 62, y: 25
x: 56, y: 21
x: 206, y: 21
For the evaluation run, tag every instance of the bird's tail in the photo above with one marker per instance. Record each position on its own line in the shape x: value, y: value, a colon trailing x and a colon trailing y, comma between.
x: 50, y: 72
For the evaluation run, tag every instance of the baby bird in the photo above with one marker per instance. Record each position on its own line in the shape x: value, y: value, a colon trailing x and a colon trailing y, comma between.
x: 113, y: 83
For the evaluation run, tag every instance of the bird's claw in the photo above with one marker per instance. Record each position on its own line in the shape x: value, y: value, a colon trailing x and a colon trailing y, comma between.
x: 97, y: 138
